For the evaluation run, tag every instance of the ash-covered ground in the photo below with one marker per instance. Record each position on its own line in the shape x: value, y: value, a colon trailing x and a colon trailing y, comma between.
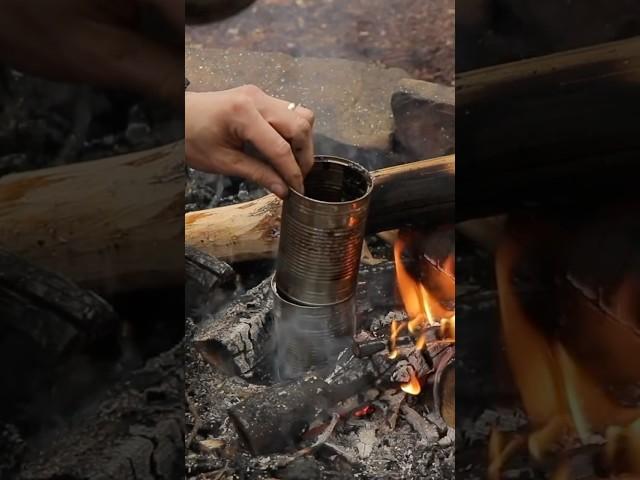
x: 369, y: 448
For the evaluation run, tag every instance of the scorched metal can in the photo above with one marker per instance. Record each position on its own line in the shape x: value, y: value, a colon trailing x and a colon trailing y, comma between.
x: 322, y: 232
x: 310, y: 336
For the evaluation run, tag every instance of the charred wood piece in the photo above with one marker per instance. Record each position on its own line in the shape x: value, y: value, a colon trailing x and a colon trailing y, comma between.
x: 45, y: 319
x: 428, y: 432
x: 274, y: 420
x: 236, y: 339
x: 82, y: 310
x: 203, y: 275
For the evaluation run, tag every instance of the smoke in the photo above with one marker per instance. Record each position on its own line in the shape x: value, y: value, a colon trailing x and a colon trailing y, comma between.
x: 309, y: 338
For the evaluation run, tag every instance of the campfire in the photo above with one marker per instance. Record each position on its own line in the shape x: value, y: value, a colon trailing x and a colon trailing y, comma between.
x: 424, y: 312
x: 388, y: 394
x: 568, y: 346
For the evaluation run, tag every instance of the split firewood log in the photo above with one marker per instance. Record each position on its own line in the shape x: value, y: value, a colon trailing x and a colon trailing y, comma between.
x: 113, y: 225
x: 548, y: 129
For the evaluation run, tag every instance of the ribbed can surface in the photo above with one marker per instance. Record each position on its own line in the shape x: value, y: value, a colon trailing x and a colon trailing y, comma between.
x: 310, y: 336
x: 322, y: 232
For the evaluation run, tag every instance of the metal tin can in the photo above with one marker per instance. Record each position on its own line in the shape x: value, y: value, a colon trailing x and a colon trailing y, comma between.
x: 310, y: 336
x: 322, y: 232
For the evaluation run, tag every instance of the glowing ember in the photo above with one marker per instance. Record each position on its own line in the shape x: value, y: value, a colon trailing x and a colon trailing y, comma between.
x: 412, y: 387
x: 364, y: 411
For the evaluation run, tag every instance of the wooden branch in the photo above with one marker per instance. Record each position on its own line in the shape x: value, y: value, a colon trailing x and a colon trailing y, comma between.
x: 421, y: 191
x: 112, y: 224
x: 548, y: 130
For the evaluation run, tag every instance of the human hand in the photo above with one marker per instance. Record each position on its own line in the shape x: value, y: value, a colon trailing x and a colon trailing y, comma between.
x: 217, y: 124
x: 97, y: 42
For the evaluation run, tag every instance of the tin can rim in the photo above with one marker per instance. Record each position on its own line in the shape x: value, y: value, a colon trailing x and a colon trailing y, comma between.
x: 345, y: 163
x: 305, y: 306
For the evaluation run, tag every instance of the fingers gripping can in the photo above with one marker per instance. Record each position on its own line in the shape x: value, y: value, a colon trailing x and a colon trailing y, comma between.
x: 322, y: 233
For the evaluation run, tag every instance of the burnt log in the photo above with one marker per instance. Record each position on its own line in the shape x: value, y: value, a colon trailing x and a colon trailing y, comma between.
x: 25, y: 288
x: 275, y: 419
x: 235, y: 339
x: 550, y: 130
x: 421, y: 191
x: 376, y: 289
x: 108, y: 242
x: 238, y: 338
x: 203, y: 275
x: 45, y: 321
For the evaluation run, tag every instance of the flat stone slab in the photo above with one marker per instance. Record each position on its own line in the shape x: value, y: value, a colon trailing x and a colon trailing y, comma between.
x: 424, y: 118
x: 351, y: 100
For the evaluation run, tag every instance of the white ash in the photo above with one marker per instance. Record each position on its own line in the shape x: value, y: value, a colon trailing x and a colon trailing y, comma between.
x: 381, y: 445
x: 380, y: 323
x: 428, y: 432
x: 504, y: 419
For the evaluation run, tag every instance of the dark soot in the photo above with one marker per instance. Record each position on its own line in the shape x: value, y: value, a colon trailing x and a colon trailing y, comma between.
x: 333, y: 182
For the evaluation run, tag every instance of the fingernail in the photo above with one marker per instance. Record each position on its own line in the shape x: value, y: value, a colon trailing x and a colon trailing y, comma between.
x: 279, y: 189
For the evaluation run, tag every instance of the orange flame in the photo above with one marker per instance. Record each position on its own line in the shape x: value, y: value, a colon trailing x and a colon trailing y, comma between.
x: 560, y: 397
x: 422, y: 341
x: 448, y: 327
x: 414, y: 296
x: 412, y: 387
x: 422, y: 308
x: 396, y: 328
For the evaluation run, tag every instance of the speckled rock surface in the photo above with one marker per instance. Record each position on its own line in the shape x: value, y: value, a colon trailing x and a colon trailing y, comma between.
x: 424, y: 115
x: 351, y: 100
